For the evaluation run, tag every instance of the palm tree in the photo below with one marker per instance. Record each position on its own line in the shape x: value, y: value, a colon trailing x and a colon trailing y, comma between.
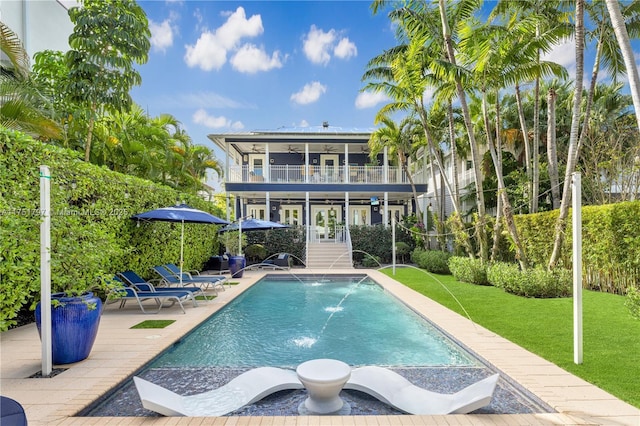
x: 22, y: 106
x: 572, y: 156
x: 548, y: 21
x: 398, y: 142
x: 620, y: 29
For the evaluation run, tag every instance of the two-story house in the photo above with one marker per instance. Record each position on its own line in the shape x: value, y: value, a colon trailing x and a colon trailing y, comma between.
x: 321, y: 177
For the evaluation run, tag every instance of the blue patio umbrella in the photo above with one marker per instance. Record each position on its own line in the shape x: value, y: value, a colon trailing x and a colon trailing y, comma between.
x: 181, y: 213
x: 252, y: 224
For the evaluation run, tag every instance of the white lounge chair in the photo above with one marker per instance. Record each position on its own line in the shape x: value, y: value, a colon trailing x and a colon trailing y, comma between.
x: 247, y: 388
x: 393, y: 389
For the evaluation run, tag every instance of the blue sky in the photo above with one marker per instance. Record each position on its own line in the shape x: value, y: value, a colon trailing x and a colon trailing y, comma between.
x: 221, y: 66
x: 242, y: 66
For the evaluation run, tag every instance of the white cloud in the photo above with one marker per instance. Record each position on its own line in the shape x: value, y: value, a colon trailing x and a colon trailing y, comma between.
x: 161, y: 35
x: 251, y: 59
x: 317, y: 45
x: 303, y: 123
x: 370, y: 99
x: 345, y: 49
x: 210, y: 50
x: 207, y: 53
x: 310, y: 93
x: 201, y: 117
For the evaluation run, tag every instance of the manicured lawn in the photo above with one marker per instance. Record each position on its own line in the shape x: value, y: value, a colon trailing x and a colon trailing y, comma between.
x: 611, y: 337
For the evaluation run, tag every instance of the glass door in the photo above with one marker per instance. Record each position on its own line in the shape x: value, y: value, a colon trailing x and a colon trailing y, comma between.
x: 257, y: 211
x: 291, y: 215
x: 359, y: 215
x: 325, y: 220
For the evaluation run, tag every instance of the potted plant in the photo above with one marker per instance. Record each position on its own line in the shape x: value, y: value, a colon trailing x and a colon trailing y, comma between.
x: 79, y: 257
x: 232, y: 242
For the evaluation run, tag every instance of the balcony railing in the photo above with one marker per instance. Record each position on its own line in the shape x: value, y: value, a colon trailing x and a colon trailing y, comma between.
x: 320, y: 174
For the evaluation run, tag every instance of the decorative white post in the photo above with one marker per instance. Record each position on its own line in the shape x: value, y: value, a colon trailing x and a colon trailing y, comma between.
x: 576, y: 187
x: 393, y: 245
x: 45, y: 270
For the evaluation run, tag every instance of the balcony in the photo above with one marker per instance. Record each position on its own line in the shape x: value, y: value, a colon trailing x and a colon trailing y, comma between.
x: 374, y: 175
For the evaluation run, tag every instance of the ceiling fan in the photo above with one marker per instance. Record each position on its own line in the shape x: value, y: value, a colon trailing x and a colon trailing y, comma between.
x: 328, y: 149
x: 256, y: 149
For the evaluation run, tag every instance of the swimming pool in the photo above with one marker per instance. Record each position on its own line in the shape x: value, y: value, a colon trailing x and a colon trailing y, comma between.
x: 283, y: 321
x: 321, y: 317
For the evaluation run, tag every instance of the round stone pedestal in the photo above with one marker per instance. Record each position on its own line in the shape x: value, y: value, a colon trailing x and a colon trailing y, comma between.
x: 323, y: 379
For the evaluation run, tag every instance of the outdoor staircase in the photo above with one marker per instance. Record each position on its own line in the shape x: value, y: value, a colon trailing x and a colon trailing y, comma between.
x: 325, y: 255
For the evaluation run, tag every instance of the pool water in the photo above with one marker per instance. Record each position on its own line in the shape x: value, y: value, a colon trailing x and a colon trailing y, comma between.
x: 284, y: 321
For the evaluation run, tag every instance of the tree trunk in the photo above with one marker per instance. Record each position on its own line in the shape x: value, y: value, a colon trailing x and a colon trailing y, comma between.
x: 502, y: 191
x: 497, y: 227
x: 525, y: 141
x: 552, y: 154
x: 619, y: 28
x: 535, y: 151
x: 475, y: 152
x: 572, y: 155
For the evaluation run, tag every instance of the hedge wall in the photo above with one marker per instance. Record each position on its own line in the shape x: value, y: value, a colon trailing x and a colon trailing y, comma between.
x: 91, y: 231
x: 610, y: 244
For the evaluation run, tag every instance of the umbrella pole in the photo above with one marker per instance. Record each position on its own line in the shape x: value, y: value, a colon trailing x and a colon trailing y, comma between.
x: 181, y: 251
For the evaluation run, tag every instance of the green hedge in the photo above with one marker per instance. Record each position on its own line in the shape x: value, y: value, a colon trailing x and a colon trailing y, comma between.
x: 610, y: 244
x: 91, y: 231
x: 468, y: 270
x: 434, y: 261
x: 535, y: 282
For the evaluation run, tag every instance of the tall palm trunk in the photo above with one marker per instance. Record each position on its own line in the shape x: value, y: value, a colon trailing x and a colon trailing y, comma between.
x: 535, y: 185
x: 572, y: 156
x: 475, y: 152
x: 552, y: 154
x: 497, y: 227
x: 502, y: 190
x: 525, y: 141
x: 454, y: 154
x: 620, y: 30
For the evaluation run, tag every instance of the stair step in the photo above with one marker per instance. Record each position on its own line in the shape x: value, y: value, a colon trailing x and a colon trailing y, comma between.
x: 328, y: 255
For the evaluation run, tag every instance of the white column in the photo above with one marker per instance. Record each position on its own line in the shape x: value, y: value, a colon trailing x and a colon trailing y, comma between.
x: 346, y: 208
x: 267, y: 165
x: 267, y: 203
x: 306, y: 166
x: 346, y: 163
x: 385, y: 217
x: 385, y: 165
x: 576, y: 187
x: 45, y: 270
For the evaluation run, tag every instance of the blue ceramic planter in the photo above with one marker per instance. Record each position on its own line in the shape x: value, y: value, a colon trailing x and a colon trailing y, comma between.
x: 236, y: 266
x: 74, y: 326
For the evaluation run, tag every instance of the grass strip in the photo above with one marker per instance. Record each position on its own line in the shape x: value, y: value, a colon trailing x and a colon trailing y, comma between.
x: 154, y: 324
x: 611, y: 337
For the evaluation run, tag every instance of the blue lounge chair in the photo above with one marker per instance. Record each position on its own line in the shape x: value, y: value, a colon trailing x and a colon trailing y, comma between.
x: 194, y: 275
x: 126, y: 293
x: 131, y: 278
x: 172, y: 280
x: 282, y: 261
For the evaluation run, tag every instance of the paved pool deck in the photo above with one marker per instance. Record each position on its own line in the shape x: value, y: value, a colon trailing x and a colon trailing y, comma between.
x: 119, y: 351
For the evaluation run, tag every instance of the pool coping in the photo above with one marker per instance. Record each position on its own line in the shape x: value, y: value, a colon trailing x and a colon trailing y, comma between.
x: 119, y: 351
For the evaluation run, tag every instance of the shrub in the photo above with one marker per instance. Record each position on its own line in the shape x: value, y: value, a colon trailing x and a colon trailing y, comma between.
x: 534, y: 282
x: 370, y: 261
x: 256, y: 252
x: 632, y: 302
x: 468, y: 270
x: 435, y: 261
x: 505, y: 276
x: 402, y: 250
